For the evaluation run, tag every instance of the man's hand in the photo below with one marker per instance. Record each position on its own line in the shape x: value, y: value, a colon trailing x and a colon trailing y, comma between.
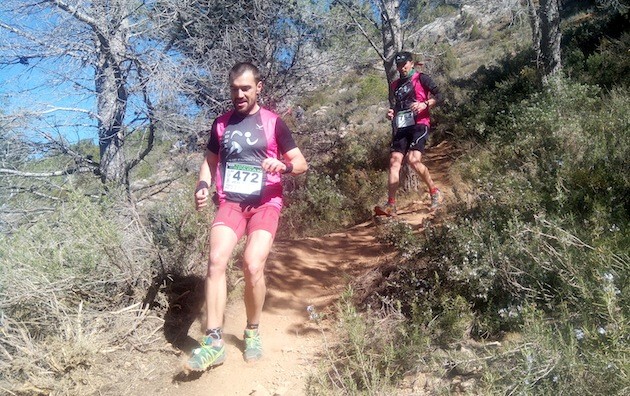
x: 390, y: 114
x: 418, y: 107
x: 273, y: 165
x: 201, y: 195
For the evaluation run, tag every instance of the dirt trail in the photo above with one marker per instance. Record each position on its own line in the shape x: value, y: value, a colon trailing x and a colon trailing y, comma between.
x: 311, y: 271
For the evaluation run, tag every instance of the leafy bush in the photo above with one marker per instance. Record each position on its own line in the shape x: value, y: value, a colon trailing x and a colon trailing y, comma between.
x: 400, y: 235
x: 557, y: 357
x: 368, y: 358
x: 70, y: 287
x: 596, y: 51
x: 537, y: 246
x: 372, y: 89
x: 542, y: 247
x: 318, y: 207
x: 180, y: 233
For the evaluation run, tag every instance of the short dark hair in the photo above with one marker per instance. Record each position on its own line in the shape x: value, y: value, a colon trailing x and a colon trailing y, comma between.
x: 243, y: 67
x: 403, y: 57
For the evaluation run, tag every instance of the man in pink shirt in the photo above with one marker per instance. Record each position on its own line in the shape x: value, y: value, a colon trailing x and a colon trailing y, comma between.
x: 415, y: 93
x: 248, y: 150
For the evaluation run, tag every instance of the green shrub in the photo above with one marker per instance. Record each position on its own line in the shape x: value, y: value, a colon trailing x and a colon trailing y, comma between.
x: 596, y: 51
x: 316, y: 207
x: 372, y: 89
x: 558, y: 357
x: 400, y: 235
x: 541, y: 246
x: 368, y: 358
x: 180, y: 233
x: 71, y: 285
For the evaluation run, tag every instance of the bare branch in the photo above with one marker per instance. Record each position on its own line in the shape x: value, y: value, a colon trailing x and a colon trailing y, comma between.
x: 79, y: 169
x: 75, y: 13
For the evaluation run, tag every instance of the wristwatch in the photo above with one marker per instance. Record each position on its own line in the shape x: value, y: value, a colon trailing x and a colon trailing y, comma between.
x: 289, y: 167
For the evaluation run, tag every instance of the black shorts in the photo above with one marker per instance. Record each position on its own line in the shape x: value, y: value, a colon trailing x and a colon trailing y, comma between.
x: 410, y: 138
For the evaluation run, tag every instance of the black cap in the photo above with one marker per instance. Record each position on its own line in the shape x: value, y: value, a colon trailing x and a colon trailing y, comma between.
x: 403, y: 57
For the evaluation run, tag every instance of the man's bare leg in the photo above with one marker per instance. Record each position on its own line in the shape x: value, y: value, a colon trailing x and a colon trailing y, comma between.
x: 395, y: 163
x: 222, y: 243
x: 254, y: 259
x: 415, y: 160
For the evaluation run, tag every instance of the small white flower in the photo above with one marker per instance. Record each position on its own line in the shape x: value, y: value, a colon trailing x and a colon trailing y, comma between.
x: 579, y: 334
x: 601, y: 331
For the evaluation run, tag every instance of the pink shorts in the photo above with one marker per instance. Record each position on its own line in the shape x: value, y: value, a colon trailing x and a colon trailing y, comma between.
x: 241, y: 218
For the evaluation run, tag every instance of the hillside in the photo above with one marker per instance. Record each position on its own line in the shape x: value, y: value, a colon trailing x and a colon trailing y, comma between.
x: 518, y: 285
x: 309, y: 272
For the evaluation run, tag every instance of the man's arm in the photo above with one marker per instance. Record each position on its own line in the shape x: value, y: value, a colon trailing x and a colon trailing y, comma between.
x: 297, y: 161
x: 436, y: 94
x: 293, y: 163
x: 207, y: 170
x: 433, y: 100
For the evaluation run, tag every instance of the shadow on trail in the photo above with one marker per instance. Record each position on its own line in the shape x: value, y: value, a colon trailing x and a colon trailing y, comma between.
x: 185, y: 297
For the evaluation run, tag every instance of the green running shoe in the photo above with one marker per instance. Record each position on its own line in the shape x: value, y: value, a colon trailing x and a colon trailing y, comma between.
x: 253, y: 346
x: 207, y: 355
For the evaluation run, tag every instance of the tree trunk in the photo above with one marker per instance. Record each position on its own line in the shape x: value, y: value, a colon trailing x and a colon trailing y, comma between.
x: 546, y: 36
x: 551, y: 37
x: 112, y: 95
x: 391, y: 33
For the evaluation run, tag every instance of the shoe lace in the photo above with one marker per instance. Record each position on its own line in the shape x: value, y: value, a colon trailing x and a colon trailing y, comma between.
x: 252, y: 341
x: 205, y: 354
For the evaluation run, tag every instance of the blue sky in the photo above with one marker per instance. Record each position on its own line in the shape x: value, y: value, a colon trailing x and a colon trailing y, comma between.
x: 39, y: 87
x: 34, y: 88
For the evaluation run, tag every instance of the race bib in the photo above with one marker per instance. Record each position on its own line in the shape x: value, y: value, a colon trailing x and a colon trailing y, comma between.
x: 404, y: 119
x: 243, y: 179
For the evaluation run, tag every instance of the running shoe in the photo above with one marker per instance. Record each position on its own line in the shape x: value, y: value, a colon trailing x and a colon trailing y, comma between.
x: 385, y: 210
x: 436, y: 198
x: 207, y: 355
x: 253, y: 345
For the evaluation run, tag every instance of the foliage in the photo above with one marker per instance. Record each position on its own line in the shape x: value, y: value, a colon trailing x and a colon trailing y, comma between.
x: 69, y: 288
x: 400, y: 235
x: 318, y: 206
x: 517, y: 257
x: 596, y: 50
x: 368, y: 358
x: 372, y: 89
x: 180, y: 233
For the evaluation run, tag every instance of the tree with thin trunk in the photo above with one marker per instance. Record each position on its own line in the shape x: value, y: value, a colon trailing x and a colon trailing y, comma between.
x: 384, y: 18
x: 98, y: 50
x: 544, y: 16
x: 276, y: 35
